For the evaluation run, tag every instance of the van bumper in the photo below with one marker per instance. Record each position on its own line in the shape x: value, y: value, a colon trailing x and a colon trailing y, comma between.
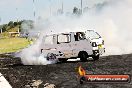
x: 99, y: 51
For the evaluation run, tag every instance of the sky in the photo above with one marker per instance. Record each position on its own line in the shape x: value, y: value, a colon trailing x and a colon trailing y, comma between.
x: 11, y: 10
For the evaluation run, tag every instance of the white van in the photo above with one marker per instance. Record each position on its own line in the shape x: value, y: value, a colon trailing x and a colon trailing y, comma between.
x: 74, y: 45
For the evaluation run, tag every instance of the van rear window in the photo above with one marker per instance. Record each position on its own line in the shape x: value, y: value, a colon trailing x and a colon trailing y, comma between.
x: 64, y: 38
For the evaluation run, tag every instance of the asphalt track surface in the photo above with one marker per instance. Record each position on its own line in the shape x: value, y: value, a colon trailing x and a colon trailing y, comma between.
x: 65, y: 75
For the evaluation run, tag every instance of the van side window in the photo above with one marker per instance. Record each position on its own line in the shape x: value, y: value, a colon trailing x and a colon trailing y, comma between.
x: 76, y: 37
x: 63, y: 38
x: 48, y: 40
x: 79, y: 36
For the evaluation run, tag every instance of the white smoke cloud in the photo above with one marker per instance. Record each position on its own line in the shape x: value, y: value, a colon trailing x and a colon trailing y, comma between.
x: 112, y: 21
x: 14, y: 2
x: 32, y: 55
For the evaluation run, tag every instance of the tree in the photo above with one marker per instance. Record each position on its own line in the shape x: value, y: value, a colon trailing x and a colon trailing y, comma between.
x: 11, y: 24
x: 15, y: 23
x: 75, y: 10
x: 1, y: 26
x: 4, y: 27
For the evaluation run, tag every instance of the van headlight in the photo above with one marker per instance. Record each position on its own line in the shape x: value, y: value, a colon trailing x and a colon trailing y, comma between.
x: 94, y: 44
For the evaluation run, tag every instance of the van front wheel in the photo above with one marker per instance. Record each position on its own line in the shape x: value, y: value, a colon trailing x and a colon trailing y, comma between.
x: 83, y: 56
x: 95, y: 57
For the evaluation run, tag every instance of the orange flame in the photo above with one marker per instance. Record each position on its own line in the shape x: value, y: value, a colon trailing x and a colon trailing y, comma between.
x: 81, y: 71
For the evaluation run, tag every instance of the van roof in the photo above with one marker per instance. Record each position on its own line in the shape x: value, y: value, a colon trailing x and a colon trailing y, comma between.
x: 63, y: 33
x: 66, y: 32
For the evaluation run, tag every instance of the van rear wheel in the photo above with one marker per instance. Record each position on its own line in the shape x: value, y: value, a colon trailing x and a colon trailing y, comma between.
x: 95, y: 57
x: 83, y: 56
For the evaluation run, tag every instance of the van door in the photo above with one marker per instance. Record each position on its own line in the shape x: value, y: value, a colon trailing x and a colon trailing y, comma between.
x: 64, y: 44
x: 81, y: 44
x: 78, y: 43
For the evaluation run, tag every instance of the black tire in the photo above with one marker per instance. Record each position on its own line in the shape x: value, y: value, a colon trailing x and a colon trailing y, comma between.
x: 95, y: 57
x: 63, y: 59
x: 51, y: 56
x: 83, y: 56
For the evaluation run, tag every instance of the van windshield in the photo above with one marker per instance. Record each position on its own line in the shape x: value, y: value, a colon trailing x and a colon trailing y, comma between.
x: 92, y: 34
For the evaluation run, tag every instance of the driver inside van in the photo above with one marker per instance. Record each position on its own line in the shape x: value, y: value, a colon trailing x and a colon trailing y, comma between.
x: 78, y: 36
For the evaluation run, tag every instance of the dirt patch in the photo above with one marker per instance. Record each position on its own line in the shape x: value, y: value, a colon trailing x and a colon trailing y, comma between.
x: 64, y: 75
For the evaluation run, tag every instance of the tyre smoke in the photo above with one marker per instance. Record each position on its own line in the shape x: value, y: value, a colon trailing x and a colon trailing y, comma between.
x: 111, y: 19
x: 32, y: 56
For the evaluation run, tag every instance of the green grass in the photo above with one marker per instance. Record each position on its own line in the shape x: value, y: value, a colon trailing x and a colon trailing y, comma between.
x: 8, y: 45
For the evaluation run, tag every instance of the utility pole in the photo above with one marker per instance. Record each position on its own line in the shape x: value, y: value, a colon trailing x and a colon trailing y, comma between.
x: 81, y: 7
x: 62, y: 6
x: 34, y: 13
x: 17, y: 14
x: 0, y: 28
x: 50, y: 8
